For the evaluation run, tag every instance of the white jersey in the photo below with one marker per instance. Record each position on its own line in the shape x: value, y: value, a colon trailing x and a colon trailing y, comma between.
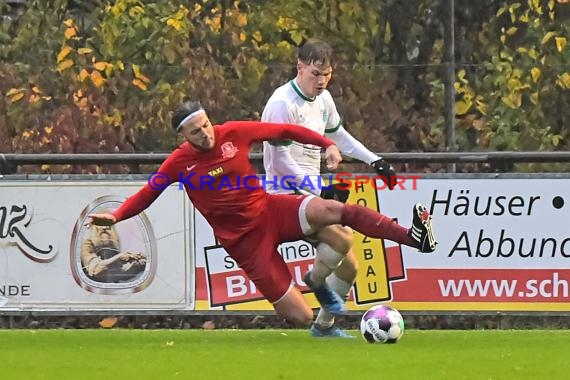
x: 301, y: 161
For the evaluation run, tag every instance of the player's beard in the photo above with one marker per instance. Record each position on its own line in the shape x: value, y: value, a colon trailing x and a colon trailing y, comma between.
x: 204, y: 145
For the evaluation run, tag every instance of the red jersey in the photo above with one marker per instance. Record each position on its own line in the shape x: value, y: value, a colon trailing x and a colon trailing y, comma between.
x: 220, y: 182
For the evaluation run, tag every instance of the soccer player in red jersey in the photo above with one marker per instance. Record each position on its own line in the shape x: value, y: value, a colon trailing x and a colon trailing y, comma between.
x: 213, y: 165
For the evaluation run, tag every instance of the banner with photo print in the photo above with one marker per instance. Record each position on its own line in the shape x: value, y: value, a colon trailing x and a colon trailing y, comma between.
x: 50, y: 258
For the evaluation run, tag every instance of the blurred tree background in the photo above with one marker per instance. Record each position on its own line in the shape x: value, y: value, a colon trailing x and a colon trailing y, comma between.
x: 103, y: 76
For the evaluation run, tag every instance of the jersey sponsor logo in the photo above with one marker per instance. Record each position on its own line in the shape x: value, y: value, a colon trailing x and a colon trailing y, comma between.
x: 228, y: 150
x: 216, y: 172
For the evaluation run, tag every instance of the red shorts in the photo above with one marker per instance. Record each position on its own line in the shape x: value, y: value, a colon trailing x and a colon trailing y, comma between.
x: 256, y: 252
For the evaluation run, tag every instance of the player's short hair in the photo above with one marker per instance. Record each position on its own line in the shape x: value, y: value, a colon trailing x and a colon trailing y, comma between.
x: 315, y: 51
x: 182, y: 111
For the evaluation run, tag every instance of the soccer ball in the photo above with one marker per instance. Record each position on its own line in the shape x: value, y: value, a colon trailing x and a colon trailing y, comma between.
x: 382, y: 324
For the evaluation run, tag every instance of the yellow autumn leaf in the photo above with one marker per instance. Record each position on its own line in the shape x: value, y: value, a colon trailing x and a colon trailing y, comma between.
x: 34, y: 98
x: 83, y: 74
x: 512, y: 30
x: 547, y: 37
x: 100, y: 65
x: 69, y: 22
x: 70, y: 33
x: 461, y: 107
x: 461, y: 76
x: 26, y: 135
x: 16, y: 96
x: 283, y: 23
x: 458, y: 88
x: 564, y: 80
x: 97, y: 78
x: 214, y: 22
x: 136, y: 69
x: 481, y: 105
x: 176, y: 24
x: 560, y: 43
x: 48, y: 130
x: 13, y: 91
x: 143, y: 77
x: 64, y: 52
x: 109, y: 69
x: 108, y: 322
x: 139, y: 83
x: 139, y: 74
x: 241, y: 19
x: 84, y: 51
x: 117, y: 117
x: 62, y: 66
x: 535, y: 74
x: 257, y: 36
x: 533, y: 53
x: 242, y: 36
x: 514, y: 100
x: 136, y: 10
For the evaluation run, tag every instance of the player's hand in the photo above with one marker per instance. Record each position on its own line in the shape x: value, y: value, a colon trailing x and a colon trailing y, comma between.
x: 385, y: 171
x: 332, y: 157
x: 101, y: 219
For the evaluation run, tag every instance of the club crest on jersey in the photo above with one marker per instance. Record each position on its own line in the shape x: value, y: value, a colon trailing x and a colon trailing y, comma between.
x: 228, y: 150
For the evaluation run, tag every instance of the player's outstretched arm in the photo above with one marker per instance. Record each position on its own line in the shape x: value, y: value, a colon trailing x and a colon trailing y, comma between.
x: 355, y: 149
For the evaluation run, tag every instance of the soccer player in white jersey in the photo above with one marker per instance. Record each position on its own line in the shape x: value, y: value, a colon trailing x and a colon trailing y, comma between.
x: 306, y: 101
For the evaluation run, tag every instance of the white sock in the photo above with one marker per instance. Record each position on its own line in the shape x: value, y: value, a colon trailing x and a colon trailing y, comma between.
x: 342, y: 288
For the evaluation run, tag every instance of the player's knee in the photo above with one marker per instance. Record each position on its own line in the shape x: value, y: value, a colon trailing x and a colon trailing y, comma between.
x: 337, y: 237
x: 346, y: 237
x: 343, y: 241
x: 350, y: 269
x: 293, y: 308
x: 298, y: 318
x: 304, y: 320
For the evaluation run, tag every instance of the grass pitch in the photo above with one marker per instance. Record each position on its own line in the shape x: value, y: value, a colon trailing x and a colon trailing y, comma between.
x: 280, y: 354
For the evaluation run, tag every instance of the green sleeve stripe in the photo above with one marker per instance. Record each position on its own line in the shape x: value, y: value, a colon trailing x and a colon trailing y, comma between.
x: 334, y: 129
x: 280, y: 142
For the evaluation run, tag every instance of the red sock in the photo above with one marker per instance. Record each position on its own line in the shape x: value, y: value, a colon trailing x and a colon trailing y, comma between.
x: 375, y: 225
